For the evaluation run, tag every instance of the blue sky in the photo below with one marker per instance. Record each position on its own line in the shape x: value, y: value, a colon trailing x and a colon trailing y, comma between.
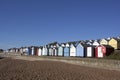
x: 38, y: 22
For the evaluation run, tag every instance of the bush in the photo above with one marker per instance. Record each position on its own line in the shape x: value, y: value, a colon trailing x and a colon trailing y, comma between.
x: 115, y: 55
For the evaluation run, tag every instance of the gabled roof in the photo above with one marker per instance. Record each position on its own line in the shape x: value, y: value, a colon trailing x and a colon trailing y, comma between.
x: 53, y: 44
x: 89, y: 41
x: 82, y: 44
x: 73, y: 42
x: 105, y: 39
x: 62, y: 44
x: 67, y: 44
x: 115, y: 39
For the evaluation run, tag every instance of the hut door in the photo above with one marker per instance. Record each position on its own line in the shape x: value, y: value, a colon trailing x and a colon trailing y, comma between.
x: 50, y: 52
x: 100, y: 54
x: 60, y: 51
x: 66, y: 51
x: 32, y: 51
x: 39, y: 52
x: 89, y: 52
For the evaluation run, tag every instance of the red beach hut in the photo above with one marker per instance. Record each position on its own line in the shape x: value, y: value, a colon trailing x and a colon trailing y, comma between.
x: 103, y: 50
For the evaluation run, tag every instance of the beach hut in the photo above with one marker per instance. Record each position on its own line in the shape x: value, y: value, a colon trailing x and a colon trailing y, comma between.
x: 60, y: 50
x: 36, y: 49
x: 103, y: 50
x: 53, y: 49
x: 25, y: 50
x: 80, y: 49
x: 67, y: 50
x: 21, y: 50
x: 32, y: 50
x: 89, y: 51
x: 44, y: 51
x: 40, y: 51
x: 72, y: 49
x: 115, y: 43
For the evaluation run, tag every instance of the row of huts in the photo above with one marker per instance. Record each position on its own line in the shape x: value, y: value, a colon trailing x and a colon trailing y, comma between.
x: 88, y: 48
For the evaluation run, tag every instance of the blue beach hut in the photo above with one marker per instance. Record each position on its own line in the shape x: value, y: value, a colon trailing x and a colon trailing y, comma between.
x: 80, y: 49
x: 67, y: 50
